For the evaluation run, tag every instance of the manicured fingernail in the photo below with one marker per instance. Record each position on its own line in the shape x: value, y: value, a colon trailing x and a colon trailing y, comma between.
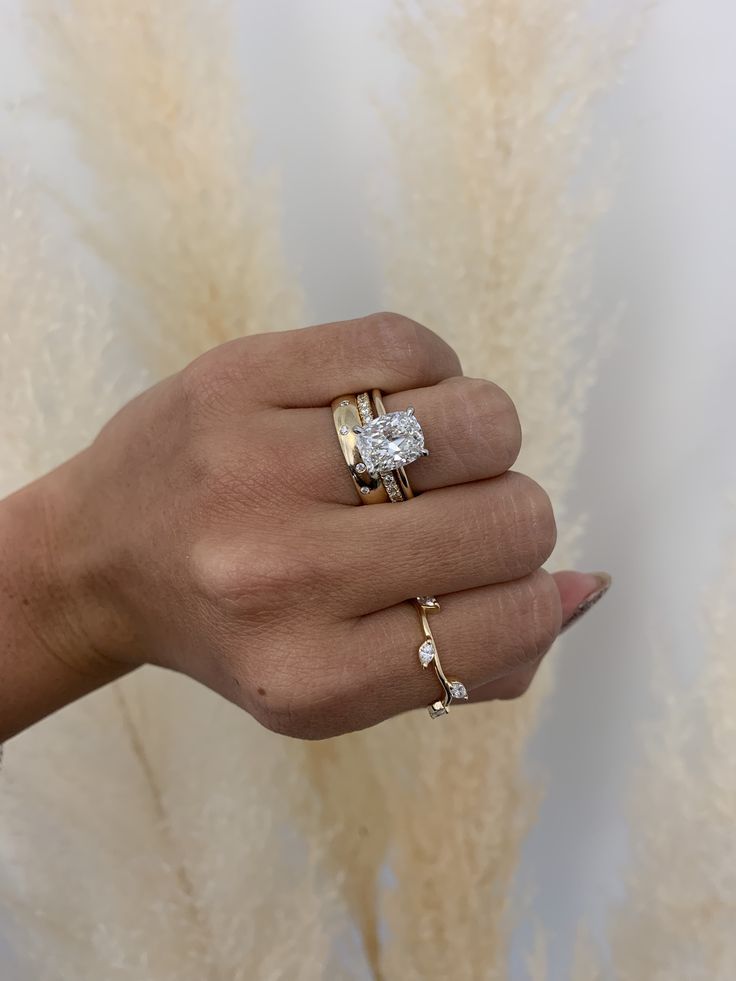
x: 603, y: 584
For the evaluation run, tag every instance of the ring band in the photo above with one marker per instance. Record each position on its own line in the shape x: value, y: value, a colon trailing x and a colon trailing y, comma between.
x: 453, y: 689
x: 377, y: 445
x: 347, y: 418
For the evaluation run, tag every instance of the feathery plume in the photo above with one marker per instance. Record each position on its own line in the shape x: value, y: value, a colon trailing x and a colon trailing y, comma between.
x: 167, y: 820
x: 487, y: 249
x: 153, y: 97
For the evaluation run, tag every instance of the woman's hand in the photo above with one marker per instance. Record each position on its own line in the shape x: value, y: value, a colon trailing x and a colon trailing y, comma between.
x: 213, y: 528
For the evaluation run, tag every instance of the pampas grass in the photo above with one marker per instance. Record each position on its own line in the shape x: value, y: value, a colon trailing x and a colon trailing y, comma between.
x: 41, y: 296
x: 152, y: 830
x: 139, y: 832
x: 154, y: 99
x: 680, y: 908
x: 486, y: 249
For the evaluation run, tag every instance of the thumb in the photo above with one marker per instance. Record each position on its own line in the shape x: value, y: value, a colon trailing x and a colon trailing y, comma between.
x: 579, y: 591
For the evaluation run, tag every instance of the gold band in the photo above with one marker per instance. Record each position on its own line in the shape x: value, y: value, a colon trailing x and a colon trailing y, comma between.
x: 346, y: 416
x: 349, y: 413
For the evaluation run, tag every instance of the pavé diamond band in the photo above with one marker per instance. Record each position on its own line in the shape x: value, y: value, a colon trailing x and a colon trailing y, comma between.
x: 377, y: 445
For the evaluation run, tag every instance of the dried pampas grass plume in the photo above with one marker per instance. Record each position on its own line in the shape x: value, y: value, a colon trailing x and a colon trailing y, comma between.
x: 485, y: 250
x: 490, y: 244
x: 200, y: 846
x: 139, y: 829
x: 53, y: 328
x: 154, y: 99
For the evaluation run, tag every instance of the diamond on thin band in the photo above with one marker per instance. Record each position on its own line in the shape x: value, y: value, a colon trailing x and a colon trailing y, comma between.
x: 390, y: 441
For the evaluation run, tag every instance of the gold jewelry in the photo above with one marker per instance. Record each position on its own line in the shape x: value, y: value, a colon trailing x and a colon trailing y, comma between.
x: 453, y: 689
x: 377, y: 445
x: 397, y: 483
x: 347, y: 419
x: 367, y: 414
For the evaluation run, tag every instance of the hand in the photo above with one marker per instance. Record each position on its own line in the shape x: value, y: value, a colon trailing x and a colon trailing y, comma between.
x: 213, y: 528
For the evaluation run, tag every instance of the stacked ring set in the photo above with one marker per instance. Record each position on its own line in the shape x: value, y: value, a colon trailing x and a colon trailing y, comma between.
x: 377, y: 446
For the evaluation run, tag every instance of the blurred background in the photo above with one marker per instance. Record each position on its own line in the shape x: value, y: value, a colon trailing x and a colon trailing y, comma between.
x: 658, y: 472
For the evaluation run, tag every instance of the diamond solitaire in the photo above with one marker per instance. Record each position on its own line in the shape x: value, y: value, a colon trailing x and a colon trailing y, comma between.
x: 390, y: 441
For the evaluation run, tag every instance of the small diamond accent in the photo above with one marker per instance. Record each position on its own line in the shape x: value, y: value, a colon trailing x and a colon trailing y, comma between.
x: 458, y: 690
x: 390, y: 441
x: 345, y: 402
x: 364, y: 408
x: 365, y: 490
x: 429, y: 602
x: 392, y: 488
x: 360, y: 468
x: 426, y: 653
x: 344, y: 430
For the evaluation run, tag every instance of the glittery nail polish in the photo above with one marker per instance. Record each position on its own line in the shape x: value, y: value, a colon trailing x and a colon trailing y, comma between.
x: 590, y: 600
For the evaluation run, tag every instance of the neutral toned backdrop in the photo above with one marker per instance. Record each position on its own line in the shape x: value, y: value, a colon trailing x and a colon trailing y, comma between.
x: 659, y: 463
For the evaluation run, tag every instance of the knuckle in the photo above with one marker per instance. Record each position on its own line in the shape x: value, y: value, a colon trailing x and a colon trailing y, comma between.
x: 289, y: 703
x: 403, y: 346
x: 489, y: 417
x: 257, y: 582
x: 203, y: 383
x: 539, y: 518
x: 209, y: 381
x: 543, y: 614
x: 517, y: 685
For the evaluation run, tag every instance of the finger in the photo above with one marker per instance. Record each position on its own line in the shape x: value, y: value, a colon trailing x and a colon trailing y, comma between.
x: 315, y: 365
x: 470, y: 426
x: 445, y: 541
x: 471, y: 429
x: 506, y: 689
x: 579, y: 591
x: 482, y: 635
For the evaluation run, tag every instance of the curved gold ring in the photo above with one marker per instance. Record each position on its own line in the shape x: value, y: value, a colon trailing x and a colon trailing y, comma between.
x: 453, y: 690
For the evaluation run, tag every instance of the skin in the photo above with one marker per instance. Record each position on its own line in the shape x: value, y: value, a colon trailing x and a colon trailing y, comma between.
x: 212, y: 528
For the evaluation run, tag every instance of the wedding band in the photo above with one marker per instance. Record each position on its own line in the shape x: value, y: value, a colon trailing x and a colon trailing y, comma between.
x: 347, y: 419
x: 377, y: 446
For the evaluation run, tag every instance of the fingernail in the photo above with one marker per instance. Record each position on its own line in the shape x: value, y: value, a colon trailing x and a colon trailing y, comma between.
x: 604, y: 584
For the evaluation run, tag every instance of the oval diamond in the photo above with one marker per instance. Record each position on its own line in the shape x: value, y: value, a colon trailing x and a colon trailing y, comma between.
x: 426, y: 653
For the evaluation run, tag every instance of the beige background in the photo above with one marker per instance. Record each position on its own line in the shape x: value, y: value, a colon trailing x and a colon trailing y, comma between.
x: 659, y: 463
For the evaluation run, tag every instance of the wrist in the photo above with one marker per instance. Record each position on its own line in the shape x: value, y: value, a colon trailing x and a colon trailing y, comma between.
x: 52, y: 630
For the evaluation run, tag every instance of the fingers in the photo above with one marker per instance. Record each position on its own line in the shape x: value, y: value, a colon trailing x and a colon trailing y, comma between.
x: 448, y: 540
x: 317, y: 364
x: 482, y: 635
x: 471, y: 429
x: 579, y: 592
